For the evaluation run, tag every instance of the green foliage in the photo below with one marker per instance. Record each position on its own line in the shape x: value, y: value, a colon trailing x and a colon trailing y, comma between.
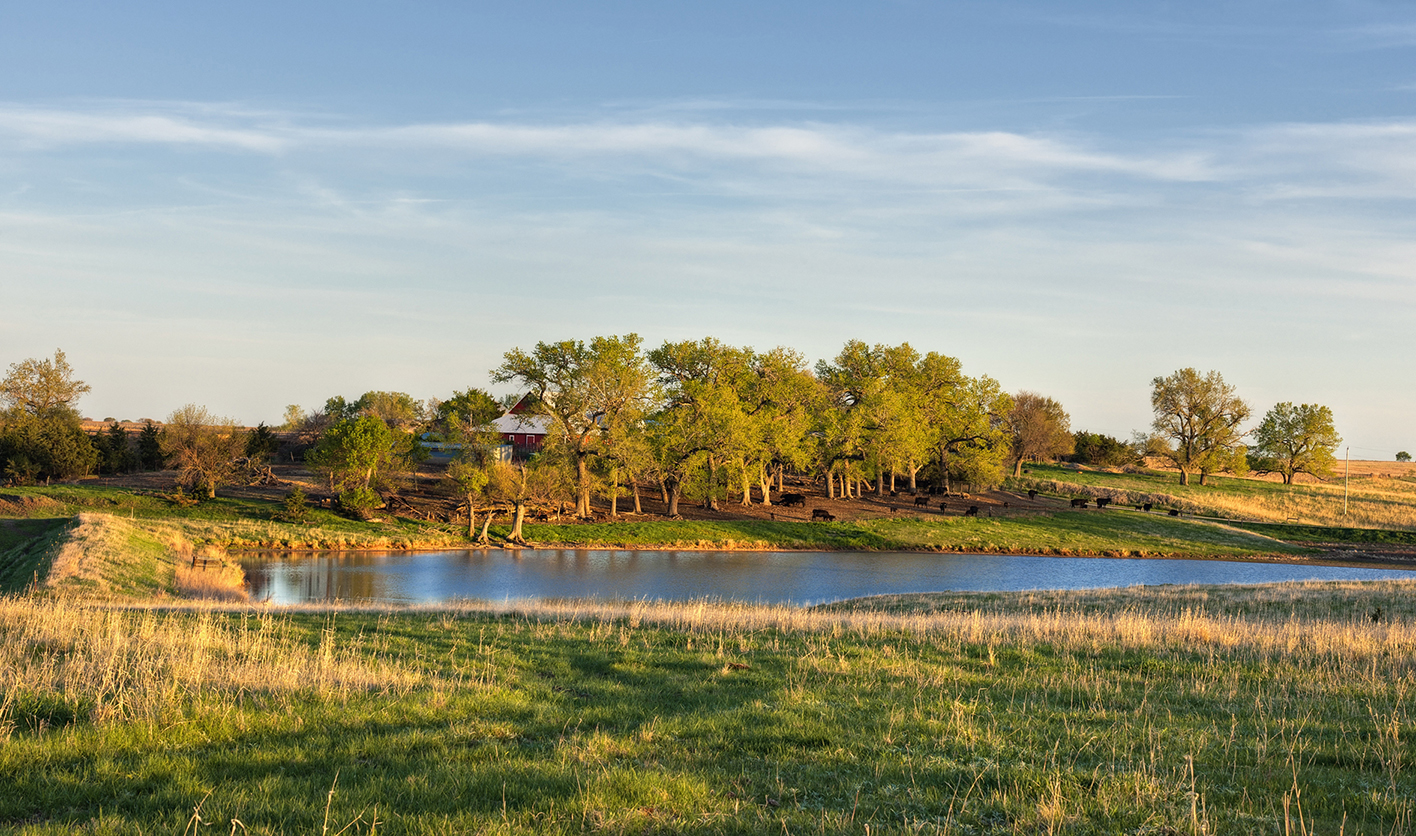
x: 44, y: 446
x: 1295, y: 439
x: 1403, y: 456
x: 1100, y: 450
x: 261, y: 443
x: 353, y: 451
x: 296, y: 506
x: 150, y: 455
x: 469, y: 408
x: 39, y: 387
x: 1197, y: 420
x: 117, y: 452
x: 360, y: 501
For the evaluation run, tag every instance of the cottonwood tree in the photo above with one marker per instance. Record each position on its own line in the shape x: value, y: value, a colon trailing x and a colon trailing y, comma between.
x: 352, y: 451
x: 203, y: 448
x: 1197, y: 420
x: 524, y: 485
x: 1295, y: 439
x: 1403, y: 456
x: 37, y: 387
x: 1040, y: 428
x: 588, y: 391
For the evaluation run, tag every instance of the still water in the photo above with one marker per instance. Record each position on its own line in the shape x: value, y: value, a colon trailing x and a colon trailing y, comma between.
x: 764, y: 577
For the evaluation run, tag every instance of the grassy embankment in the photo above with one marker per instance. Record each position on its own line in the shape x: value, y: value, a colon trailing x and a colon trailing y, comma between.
x: 1372, y: 503
x: 1279, y: 710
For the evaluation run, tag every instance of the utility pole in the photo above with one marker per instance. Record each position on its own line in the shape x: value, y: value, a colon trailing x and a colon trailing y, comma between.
x: 1346, y: 471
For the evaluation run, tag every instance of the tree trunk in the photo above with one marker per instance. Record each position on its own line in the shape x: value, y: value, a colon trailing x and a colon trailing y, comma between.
x: 892, y: 480
x: 518, y: 515
x: 914, y: 485
x: 663, y: 491
x: 471, y: 519
x: 710, y: 501
x: 1184, y: 477
x: 671, y: 496
x: 780, y: 469
x: 830, y: 485
x: 746, y: 487
x: 1018, y: 467
x: 765, y: 477
x: 582, y: 484
x: 1204, y: 478
x: 614, y: 492
x: 635, y: 484
x: 486, y: 524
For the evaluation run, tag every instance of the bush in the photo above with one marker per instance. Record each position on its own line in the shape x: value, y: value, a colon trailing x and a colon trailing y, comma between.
x: 360, y: 502
x: 296, y: 505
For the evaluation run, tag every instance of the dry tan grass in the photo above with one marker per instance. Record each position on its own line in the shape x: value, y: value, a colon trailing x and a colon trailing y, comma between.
x: 113, y: 663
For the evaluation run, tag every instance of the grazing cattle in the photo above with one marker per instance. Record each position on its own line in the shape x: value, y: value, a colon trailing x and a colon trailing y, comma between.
x: 1032, y: 494
x: 972, y: 512
x: 1146, y: 507
x: 943, y: 506
x: 1174, y: 512
x: 790, y: 499
x: 1079, y: 503
x: 922, y: 500
x: 822, y: 514
x: 1103, y: 501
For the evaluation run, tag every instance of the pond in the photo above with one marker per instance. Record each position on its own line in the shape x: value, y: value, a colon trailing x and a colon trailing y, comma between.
x: 763, y: 577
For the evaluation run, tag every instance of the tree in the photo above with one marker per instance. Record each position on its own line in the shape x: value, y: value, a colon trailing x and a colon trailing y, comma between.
x: 471, y: 407
x: 37, y: 387
x: 1403, y: 456
x: 397, y: 409
x: 1197, y: 417
x: 524, y: 484
x: 352, y: 451
x: 1101, y: 450
x: 203, y: 447
x: 1295, y: 439
x: 470, y: 476
x: 261, y: 443
x: 588, y: 391
x: 1040, y: 428
x: 41, y: 436
x: 116, y: 453
x: 150, y: 455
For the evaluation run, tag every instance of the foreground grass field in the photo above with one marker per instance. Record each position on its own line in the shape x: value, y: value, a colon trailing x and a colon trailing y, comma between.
x: 1281, y: 710
x: 1371, y: 503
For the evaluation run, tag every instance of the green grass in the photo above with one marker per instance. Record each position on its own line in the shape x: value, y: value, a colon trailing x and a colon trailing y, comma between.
x: 24, y: 545
x: 1114, y: 533
x: 999, y: 714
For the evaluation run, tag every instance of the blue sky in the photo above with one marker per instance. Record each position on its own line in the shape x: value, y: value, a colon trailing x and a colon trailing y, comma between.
x: 251, y: 205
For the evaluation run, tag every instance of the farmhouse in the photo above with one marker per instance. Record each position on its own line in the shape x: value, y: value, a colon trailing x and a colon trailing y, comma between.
x: 526, y: 432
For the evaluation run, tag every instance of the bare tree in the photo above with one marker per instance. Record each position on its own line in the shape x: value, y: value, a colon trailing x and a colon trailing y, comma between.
x: 203, y: 448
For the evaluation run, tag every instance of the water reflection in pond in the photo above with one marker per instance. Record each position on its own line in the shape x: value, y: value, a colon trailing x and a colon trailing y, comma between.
x: 767, y: 577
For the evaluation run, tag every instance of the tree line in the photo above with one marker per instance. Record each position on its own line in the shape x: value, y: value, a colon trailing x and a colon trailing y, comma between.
x: 700, y: 419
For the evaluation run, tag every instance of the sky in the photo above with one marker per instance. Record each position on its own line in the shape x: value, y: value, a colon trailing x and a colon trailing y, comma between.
x: 255, y: 204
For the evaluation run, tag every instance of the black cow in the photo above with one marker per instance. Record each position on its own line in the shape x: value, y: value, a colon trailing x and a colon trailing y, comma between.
x: 822, y: 514
x: 1174, y: 512
x: 972, y: 512
x: 1103, y: 501
x: 790, y: 499
x: 1079, y: 503
x: 1146, y: 507
x: 1032, y: 494
x: 922, y: 500
x: 943, y: 506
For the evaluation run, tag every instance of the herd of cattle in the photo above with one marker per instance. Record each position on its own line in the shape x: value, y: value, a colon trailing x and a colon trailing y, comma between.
x: 798, y: 500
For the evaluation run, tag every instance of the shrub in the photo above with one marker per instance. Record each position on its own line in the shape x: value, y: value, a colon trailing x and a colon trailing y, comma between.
x: 360, y: 502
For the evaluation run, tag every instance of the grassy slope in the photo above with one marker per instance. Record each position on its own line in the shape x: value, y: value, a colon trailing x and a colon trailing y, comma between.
x: 1115, y: 533
x: 1372, y: 503
x: 541, y: 724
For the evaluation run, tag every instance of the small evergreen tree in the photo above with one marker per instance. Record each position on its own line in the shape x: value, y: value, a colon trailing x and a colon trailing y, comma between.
x: 150, y: 455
